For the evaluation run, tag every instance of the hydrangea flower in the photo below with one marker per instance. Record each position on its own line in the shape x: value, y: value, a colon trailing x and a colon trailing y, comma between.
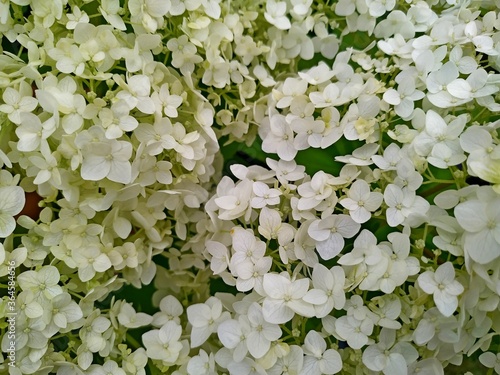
x: 443, y: 287
x: 194, y: 171
x: 12, y: 201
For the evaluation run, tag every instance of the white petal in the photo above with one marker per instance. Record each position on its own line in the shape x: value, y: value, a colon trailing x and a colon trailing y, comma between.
x: 427, y: 283
x: 199, y: 335
x: 276, y: 311
x: 286, y: 150
x: 331, y: 247
x: 445, y: 303
x: 275, y: 286
x: 434, y: 124
x: 95, y: 168
x: 482, y: 246
x: 171, y: 331
x: 316, y: 296
x: 7, y: 225
x: 33, y: 310
x: 424, y: 333
x: 360, y: 215
x: 394, y: 217
x: 229, y: 333
x: 120, y: 171
x: 102, y: 263
x: 199, y: 314
x: 257, y: 344
x: 393, y: 195
x: 60, y: 320
x: 396, y: 364
x: 12, y: 200
x: 471, y: 216
x: 445, y: 273
x: 316, y: 233
x: 374, y: 359
x: 86, y: 273
x: 391, y: 96
x: 405, y: 108
x: 459, y: 88
x: 322, y: 277
x: 122, y: 227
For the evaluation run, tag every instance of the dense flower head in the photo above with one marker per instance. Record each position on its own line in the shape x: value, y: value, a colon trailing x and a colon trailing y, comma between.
x: 272, y: 187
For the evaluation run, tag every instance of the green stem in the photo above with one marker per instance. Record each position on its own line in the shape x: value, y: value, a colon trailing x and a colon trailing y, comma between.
x: 433, y: 190
x: 476, y: 117
x: 132, y: 342
x: 74, y: 294
x: 433, y: 181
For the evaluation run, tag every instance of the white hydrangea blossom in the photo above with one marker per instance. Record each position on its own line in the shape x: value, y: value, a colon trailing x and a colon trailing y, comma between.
x: 360, y: 243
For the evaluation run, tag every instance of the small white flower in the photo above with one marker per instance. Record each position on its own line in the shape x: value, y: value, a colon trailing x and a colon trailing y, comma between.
x: 136, y: 92
x: 271, y: 227
x: 443, y: 287
x: 220, y: 256
x: 164, y: 344
x: 262, y: 333
x: 318, y: 359
x: 109, y: 10
x: 233, y: 200
x: 233, y: 335
x: 129, y: 318
x: 107, y: 159
x: 317, y: 74
x: 361, y: 202
x: 276, y: 14
x: 246, y: 246
x: 33, y: 133
x: 264, y: 196
x: 89, y: 261
x: 312, y: 193
x: 166, y: 101
x: 92, y: 333
x: 330, y: 233
x: 481, y: 223
x: 109, y: 367
x: 387, y: 357
x: 292, y: 88
x: 202, y: 364
x: 491, y: 360
x: 378, y: 8
x: 117, y: 120
x: 330, y: 96
x: 388, y: 311
x: 205, y: 318
x: 43, y: 283
x: 354, y: 331
x: 402, y: 204
x: 285, y: 298
x: 12, y: 201
x: 389, y: 161
x: 289, y: 364
x: 18, y: 101
x: 280, y: 138
x: 170, y: 309
x: 331, y: 282
x: 403, y: 99
x: 64, y: 312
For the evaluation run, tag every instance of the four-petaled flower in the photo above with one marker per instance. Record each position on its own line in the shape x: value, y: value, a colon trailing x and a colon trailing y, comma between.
x: 443, y: 287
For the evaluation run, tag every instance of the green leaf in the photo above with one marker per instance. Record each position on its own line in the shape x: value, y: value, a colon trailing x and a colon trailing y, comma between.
x: 316, y: 159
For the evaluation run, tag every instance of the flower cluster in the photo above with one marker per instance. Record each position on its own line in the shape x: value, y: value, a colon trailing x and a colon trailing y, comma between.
x: 361, y: 235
